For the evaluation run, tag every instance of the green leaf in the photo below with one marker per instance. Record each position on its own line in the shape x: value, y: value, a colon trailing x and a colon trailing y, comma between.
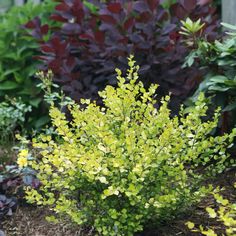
x: 218, y: 79
x: 190, y: 59
x: 8, y: 85
x: 35, y: 102
x: 91, y: 7
x: 41, y: 122
x: 218, y: 88
x: 228, y: 26
x: 52, y: 219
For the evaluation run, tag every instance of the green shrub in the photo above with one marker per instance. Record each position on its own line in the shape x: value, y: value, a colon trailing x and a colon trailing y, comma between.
x: 226, y: 214
x: 217, y: 59
x: 17, y: 66
x: 120, y: 166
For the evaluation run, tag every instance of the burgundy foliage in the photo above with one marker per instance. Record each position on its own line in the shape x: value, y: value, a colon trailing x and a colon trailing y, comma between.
x: 84, y: 51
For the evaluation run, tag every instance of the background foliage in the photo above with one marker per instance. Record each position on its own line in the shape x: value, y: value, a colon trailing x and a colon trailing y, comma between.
x: 93, y: 38
x: 12, y: 116
x: 17, y: 65
x: 218, y: 60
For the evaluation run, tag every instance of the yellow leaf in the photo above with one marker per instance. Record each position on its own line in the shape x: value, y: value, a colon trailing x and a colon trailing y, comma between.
x: 190, y: 225
x: 211, y: 212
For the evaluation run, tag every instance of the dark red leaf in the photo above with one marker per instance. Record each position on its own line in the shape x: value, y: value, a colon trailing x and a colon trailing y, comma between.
x: 114, y: 7
x: 153, y: 4
x: 189, y: 5
x: 30, y: 25
x: 86, y: 36
x: 62, y: 51
x: 99, y: 37
x: 56, y: 42
x: 108, y: 19
x: 62, y: 7
x: 60, y: 47
x: 174, y: 36
x: 129, y: 23
x: 41, y: 58
x: 144, y: 17
x: 33, y: 24
x: 79, y: 15
x: 44, y: 29
x: 71, y: 62
x: 47, y: 49
x: 93, y: 22
x: 178, y: 11
x: 57, y: 17
x: 55, y: 65
x: 77, y: 4
x: 124, y: 40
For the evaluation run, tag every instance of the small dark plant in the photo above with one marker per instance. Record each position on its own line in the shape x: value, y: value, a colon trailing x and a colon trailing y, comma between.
x: 12, y: 180
x: 7, y: 206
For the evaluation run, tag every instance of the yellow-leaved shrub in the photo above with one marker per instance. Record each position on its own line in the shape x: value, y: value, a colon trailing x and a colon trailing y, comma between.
x: 119, y: 166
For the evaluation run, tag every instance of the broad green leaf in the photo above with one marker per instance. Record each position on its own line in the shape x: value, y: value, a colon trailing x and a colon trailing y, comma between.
x: 229, y: 26
x: 35, y: 102
x: 8, y: 85
x: 218, y: 88
x: 218, y: 79
x: 41, y: 121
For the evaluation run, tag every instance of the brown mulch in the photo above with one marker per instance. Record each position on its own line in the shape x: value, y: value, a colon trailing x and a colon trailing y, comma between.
x: 30, y: 221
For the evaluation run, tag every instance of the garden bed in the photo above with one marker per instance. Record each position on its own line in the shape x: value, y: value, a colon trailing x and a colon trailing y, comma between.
x: 30, y: 221
x: 114, y: 155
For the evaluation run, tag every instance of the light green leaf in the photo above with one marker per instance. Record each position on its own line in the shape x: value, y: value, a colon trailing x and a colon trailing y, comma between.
x: 190, y: 225
x: 211, y: 212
